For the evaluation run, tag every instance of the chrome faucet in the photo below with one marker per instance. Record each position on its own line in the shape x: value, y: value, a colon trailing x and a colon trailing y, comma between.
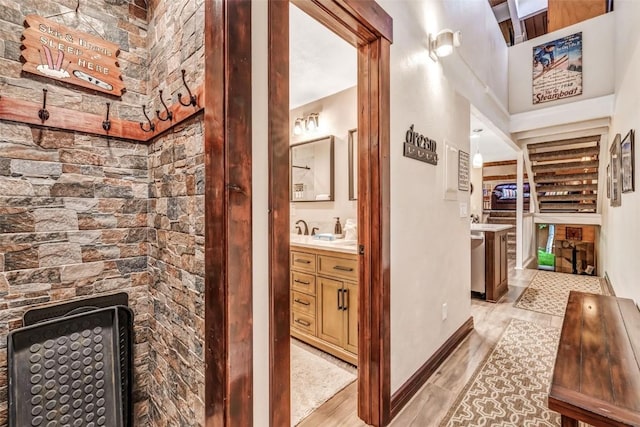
x: 306, y: 227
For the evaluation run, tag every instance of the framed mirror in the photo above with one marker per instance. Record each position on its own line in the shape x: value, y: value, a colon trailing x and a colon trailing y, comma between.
x: 312, y: 170
x: 353, y: 164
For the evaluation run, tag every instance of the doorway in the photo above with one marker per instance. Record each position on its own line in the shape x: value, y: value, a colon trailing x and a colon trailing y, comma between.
x: 368, y: 28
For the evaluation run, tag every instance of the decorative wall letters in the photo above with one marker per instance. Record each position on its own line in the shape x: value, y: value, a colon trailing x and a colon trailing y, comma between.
x: 419, y: 147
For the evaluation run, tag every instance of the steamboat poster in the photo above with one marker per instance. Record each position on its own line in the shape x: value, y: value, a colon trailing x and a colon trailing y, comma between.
x: 557, y: 69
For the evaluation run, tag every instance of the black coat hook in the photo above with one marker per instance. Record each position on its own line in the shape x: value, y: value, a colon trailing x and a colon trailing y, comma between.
x: 169, y: 115
x: 106, y: 124
x: 192, y: 98
x: 43, y: 113
x: 152, y: 126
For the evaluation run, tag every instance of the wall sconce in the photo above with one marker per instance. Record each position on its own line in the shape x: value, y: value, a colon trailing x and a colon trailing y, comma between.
x: 312, y: 122
x: 477, y: 160
x: 442, y: 43
x: 306, y: 124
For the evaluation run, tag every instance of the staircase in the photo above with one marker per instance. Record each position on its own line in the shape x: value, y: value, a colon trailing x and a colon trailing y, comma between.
x: 565, y: 174
x: 506, y: 217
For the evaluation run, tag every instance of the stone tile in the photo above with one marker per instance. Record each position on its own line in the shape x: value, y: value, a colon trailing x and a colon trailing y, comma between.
x: 57, y: 254
x: 15, y: 187
x: 55, y: 220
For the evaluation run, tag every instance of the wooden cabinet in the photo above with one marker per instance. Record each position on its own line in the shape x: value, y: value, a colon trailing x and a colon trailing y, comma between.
x: 324, y: 300
x: 496, y: 264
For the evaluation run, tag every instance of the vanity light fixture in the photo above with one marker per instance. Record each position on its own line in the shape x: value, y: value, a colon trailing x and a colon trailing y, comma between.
x: 477, y: 160
x: 297, y: 127
x: 312, y: 122
x: 442, y: 43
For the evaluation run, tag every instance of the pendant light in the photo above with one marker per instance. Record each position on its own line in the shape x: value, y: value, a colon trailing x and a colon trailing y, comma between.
x: 477, y: 161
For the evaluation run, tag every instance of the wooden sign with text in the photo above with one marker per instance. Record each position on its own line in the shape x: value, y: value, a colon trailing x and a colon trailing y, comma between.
x: 61, y: 53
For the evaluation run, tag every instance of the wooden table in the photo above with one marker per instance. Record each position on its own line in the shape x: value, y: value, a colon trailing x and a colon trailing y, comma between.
x: 596, y: 378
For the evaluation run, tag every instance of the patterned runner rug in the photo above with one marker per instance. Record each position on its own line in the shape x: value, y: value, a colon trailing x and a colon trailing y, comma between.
x: 548, y: 292
x: 510, y: 387
x: 315, y: 378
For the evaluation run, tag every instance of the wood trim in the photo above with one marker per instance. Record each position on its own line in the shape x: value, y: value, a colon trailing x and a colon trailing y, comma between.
x: 347, y: 18
x: 500, y: 163
x: 20, y: 111
x: 404, y: 394
x: 510, y: 177
x: 279, y: 215
x: 228, y: 225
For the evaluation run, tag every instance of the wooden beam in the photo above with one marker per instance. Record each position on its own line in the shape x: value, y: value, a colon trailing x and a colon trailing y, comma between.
x: 565, y: 154
x: 21, y: 111
x: 228, y: 226
x: 279, y: 215
x: 551, y: 167
x: 500, y: 163
x: 564, y: 142
x: 567, y: 187
x: 567, y: 177
x: 509, y: 177
x: 567, y: 198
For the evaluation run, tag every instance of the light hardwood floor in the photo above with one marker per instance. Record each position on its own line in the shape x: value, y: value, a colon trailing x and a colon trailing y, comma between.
x: 434, y: 400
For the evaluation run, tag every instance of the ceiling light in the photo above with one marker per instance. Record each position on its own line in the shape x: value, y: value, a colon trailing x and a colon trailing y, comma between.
x: 442, y: 44
x: 297, y: 127
x: 475, y: 133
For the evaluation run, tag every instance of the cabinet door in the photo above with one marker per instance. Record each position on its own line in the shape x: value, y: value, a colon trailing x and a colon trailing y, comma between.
x: 350, y: 297
x: 504, y: 261
x: 330, y: 323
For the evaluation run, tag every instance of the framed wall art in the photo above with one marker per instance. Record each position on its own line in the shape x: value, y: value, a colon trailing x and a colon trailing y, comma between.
x: 627, y: 162
x: 616, y: 174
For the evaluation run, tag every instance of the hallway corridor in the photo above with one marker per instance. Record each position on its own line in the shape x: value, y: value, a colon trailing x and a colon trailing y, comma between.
x: 435, y: 400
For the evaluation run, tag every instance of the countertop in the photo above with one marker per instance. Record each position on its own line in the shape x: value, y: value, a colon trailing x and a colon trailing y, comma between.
x: 490, y: 227
x: 338, y: 245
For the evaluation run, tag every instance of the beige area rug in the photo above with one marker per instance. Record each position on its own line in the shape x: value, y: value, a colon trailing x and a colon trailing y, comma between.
x: 315, y: 378
x: 510, y: 387
x: 548, y: 292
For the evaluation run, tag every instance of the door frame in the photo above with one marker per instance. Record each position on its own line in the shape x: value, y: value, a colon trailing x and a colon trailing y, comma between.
x: 366, y: 26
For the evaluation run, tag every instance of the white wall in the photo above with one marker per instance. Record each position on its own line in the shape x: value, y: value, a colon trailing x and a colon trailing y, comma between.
x: 620, y: 233
x: 338, y: 114
x: 597, y: 58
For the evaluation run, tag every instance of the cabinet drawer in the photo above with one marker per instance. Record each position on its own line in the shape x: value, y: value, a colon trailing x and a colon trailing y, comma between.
x: 303, y: 303
x: 303, y: 261
x: 303, y: 322
x: 302, y: 282
x: 340, y: 267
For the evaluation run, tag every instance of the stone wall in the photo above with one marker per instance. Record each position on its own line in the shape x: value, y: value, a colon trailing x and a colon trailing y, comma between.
x: 176, y: 237
x: 74, y: 208
x: 176, y: 261
x: 73, y: 223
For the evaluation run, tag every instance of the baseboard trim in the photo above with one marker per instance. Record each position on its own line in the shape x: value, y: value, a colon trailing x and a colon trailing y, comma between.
x: 608, y: 284
x: 404, y: 394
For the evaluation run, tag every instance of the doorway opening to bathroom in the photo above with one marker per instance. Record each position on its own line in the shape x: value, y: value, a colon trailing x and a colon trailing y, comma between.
x: 364, y: 25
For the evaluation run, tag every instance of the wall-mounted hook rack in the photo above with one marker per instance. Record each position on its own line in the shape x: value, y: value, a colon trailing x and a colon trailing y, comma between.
x: 106, y: 124
x: 169, y: 115
x: 43, y: 113
x: 152, y: 126
x: 193, y: 101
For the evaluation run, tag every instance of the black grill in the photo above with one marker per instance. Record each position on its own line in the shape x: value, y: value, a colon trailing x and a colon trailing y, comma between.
x: 73, y: 370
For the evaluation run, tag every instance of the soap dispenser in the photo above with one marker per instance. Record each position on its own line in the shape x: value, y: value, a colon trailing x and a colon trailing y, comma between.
x: 338, y: 228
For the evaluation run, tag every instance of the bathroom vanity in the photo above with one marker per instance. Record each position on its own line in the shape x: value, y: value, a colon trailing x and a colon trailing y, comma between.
x: 324, y: 296
x: 489, y: 262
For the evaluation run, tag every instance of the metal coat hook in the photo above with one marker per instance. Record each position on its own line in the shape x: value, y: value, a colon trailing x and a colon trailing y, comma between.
x: 192, y: 98
x: 43, y: 113
x: 152, y: 127
x: 106, y: 124
x: 169, y: 115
